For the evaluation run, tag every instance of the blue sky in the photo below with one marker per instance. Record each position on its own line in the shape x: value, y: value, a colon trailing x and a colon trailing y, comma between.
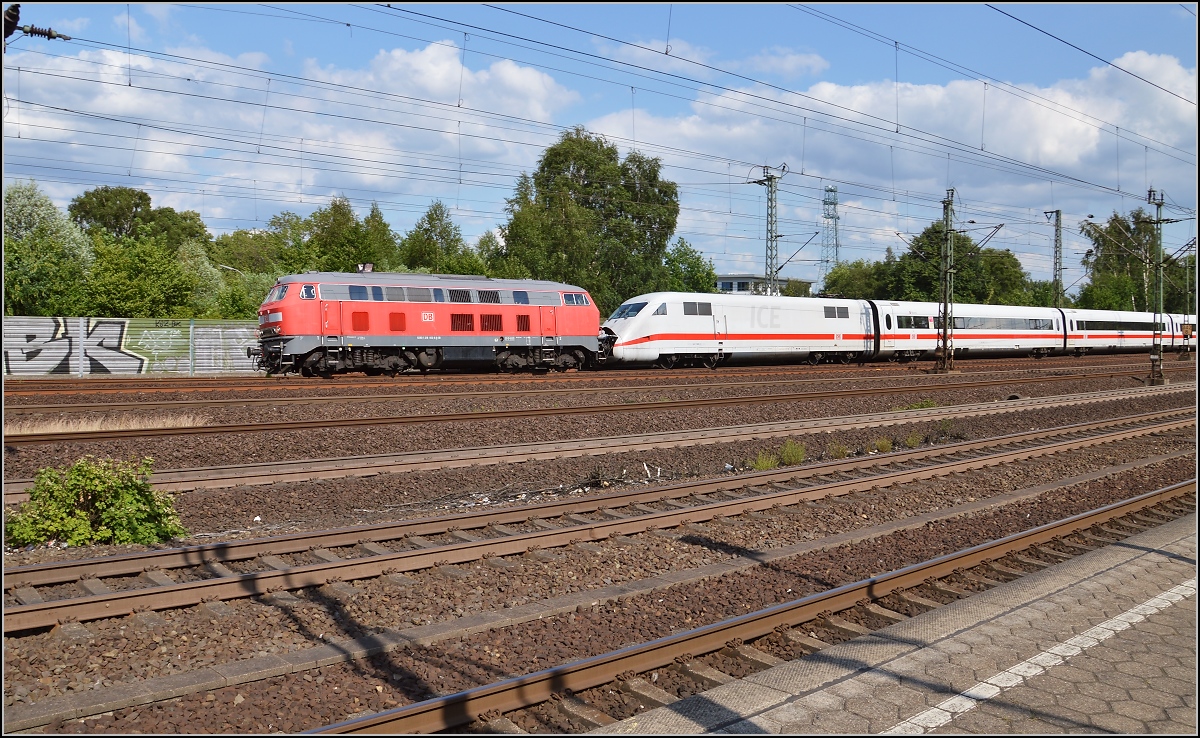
x: 242, y: 111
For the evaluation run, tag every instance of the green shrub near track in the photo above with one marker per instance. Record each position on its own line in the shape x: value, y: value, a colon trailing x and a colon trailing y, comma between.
x: 94, y: 501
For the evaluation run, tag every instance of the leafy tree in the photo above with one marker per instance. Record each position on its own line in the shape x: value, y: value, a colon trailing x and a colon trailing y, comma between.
x: 250, y: 250
x: 381, y: 241
x: 45, y: 255
x: 588, y: 218
x: 117, y: 210
x: 688, y: 270
x: 498, y: 261
x: 796, y: 288
x: 1120, y: 262
x: 436, y: 243
x: 138, y: 278
x: 858, y: 280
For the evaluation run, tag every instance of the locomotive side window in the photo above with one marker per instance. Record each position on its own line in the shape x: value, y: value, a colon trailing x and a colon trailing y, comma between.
x: 704, y: 308
x: 396, y: 322
x: 358, y: 292
x: 843, y: 312
x: 438, y: 295
x: 662, y: 309
x: 887, y: 319
x: 459, y: 296
x: 689, y: 308
x: 462, y: 322
x: 377, y: 293
x: 394, y: 294
x: 490, y: 296
x: 419, y: 294
x: 520, y: 297
x: 491, y: 323
x: 522, y: 323
x: 832, y: 311
x: 308, y: 292
x: 360, y: 322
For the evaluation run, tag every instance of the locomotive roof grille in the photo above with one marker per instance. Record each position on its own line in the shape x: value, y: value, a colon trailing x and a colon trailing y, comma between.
x: 408, y: 279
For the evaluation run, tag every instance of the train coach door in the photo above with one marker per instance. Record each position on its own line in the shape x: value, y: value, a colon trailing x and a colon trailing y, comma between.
x: 720, y: 333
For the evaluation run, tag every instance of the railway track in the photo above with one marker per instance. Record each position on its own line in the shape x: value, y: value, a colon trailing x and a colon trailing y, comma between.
x: 167, y: 405
x: 23, y: 439
x: 627, y: 670
x: 30, y: 387
x: 142, y: 582
x: 178, y: 480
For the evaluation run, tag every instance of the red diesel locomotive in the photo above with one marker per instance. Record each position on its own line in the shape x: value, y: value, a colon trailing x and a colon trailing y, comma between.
x: 322, y: 323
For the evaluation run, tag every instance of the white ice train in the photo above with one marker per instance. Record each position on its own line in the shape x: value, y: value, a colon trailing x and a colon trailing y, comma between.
x: 670, y: 328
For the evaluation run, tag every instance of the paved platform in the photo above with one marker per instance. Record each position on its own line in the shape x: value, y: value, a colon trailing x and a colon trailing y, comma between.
x: 1103, y: 643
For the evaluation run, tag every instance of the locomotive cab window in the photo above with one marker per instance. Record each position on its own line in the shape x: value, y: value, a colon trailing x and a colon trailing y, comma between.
x: 628, y: 310
x: 662, y: 309
x: 307, y: 292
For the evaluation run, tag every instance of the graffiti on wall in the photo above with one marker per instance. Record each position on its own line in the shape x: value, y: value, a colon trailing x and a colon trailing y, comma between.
x: 41, y: 346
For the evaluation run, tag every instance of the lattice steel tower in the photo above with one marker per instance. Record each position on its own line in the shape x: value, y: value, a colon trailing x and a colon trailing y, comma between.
x: 830, y: 245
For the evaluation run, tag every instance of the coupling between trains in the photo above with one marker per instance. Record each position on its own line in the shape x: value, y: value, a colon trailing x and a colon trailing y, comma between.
x: 326, y: 323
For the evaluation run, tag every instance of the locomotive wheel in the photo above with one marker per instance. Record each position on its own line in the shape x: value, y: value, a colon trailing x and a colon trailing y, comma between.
x: 665, y: 362
x: 814, y: 358
x: 711, y: 361
x: 845, y: 358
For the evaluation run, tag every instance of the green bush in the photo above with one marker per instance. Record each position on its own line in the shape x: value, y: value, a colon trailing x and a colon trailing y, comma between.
x: 94, y: 501
x: 838, y: 451
x: 792, y: 453
x: 765, y: 462
x: 882, y: 445
x: 913, y: 439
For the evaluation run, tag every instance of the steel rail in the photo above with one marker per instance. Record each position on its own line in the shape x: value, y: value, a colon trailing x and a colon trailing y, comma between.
x: 24, y: 439
x: 442, y: 713
x: 88, y: 407
x: 215, y: 477
x: 240, y: 550
x: 44, y: 614
x: 31, y: 386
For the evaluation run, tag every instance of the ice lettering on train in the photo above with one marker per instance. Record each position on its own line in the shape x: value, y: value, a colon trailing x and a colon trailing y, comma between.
x: 766, y: 317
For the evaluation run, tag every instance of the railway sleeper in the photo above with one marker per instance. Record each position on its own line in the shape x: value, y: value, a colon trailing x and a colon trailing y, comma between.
x: 648, y: 694
x: 702, y: 674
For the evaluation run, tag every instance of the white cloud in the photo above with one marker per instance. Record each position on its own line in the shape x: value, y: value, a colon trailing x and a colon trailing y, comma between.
x: 129, y: 24
x: 784, y: 62
x: 71, y: 25
x: 160, y: 12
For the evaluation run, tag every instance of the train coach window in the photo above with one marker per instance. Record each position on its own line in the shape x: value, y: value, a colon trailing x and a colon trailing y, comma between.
x: 460, y: 295
x: 520, y: 297
x: 490, y: 296
x: 662, y: 309
x: 912, y: 321
x: 396, y: 322
x: 377, y: 293
x: 394, y: 294
x: 522, y: 323
x: 358, y: 292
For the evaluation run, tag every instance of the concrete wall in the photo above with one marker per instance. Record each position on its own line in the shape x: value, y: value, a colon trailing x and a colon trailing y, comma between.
x: 82, y: 346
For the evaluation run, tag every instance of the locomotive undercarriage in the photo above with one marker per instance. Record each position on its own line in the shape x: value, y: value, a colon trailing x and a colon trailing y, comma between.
x: 327, y: 361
